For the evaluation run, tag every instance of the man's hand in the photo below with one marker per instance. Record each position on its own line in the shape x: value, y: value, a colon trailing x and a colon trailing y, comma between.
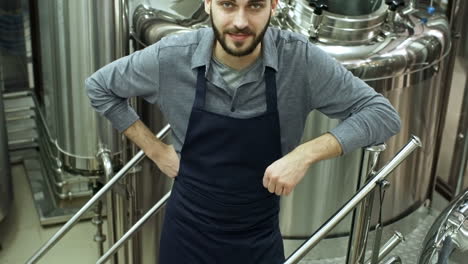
x: 166, y: 160
x: 284, y: 174
x: 163, y: 155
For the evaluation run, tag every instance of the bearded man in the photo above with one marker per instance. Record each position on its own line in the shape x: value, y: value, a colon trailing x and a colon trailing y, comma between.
x: 237, y: 96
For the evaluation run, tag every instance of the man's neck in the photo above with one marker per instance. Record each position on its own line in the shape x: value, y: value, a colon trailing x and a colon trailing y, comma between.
x: 234, y: 62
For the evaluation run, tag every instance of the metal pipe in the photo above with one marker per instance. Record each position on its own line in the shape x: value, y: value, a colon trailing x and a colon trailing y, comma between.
x: 112, y: 214
x: 68, y: 225
x: 297, y: 255
x: 394, y: 260
x: 134, y: 229
x: 71, y: 195
x: 121, y: 34
x: 134, y: 245
x: 42, y: 120
x: 362, y: 216
x: 99, y: 237
x: 394, y: 241
x: 108, y: 174
x: 460, y: 152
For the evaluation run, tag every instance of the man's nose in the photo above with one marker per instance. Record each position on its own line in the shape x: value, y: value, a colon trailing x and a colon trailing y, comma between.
x: 240, y: 19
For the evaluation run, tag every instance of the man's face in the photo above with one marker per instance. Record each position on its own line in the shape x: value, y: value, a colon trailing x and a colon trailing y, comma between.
x: 239, y: 25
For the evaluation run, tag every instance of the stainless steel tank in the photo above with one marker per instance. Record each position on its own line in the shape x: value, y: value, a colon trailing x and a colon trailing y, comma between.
x: 447, y: 239
x: 76, y: 39
x: 6, y: 188
x: 398, y: 53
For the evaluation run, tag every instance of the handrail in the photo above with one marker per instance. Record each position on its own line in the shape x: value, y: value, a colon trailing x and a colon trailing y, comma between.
x: 69, y: 224
x: 394, y: 260
x: 134, y: 229
x: 391, y: 244
x: 297, y: 255
x: 362, y: 215
x: 302, y: 251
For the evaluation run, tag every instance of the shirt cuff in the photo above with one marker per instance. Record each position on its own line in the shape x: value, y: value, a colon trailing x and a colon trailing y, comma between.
x: 348, y: 136
x: 121, y: 116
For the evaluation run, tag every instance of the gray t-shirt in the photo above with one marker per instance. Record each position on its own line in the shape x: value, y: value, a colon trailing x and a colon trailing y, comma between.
x: 306, y: 78
x: 231, y: 76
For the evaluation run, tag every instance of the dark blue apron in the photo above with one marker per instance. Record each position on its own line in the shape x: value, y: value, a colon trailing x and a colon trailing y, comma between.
x: 219, y: 211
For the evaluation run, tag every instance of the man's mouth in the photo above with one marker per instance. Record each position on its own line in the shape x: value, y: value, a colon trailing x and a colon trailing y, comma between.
x: 238, y: 37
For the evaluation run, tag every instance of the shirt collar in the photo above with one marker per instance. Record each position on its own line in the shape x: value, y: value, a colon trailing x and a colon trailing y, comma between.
x: 270, y: 53
x: 204, y: 50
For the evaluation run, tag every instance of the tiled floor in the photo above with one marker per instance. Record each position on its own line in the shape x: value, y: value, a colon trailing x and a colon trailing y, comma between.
x: 21, y: 233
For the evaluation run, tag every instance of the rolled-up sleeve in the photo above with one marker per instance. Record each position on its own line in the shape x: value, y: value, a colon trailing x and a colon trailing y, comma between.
x: 367, y: 117
x: 110, y: 87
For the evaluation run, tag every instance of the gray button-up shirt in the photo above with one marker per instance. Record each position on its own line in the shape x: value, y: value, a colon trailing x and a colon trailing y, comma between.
x: 307, y: 79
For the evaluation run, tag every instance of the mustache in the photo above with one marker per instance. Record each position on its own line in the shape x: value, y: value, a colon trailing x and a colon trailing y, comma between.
x: 245, y: 31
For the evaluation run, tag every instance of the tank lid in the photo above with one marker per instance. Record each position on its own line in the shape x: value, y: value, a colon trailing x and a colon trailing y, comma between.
x: 336, y: 27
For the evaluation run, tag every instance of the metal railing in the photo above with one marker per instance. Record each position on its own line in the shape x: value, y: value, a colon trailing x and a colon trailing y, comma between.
x: 68, y: 225
x: 323, y: 231
x: 295, y: 257
x: 132, y: 231
x: 362, y: 215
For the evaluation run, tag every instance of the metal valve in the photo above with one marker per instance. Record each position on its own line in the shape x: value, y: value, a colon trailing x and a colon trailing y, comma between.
x: 318, y: 5
x: 394, y: 5
x: 396, y: 20
x: 316, y: 17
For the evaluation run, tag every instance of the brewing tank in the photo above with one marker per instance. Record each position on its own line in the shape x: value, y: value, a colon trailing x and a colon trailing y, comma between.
x: 447, y: 239
x: 76, y: 39
x: 399, y: 54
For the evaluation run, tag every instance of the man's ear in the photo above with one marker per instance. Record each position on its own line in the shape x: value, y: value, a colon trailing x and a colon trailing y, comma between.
x: 274, y: 4
x: 207, y: 6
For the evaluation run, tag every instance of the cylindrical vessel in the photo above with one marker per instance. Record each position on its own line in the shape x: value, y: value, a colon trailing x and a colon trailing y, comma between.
x: 447, y: 239
x: 6, y: 188
x: 403, y: 66
x: 77, y: 38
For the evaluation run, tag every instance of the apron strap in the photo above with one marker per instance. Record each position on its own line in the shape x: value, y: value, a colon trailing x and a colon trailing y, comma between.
x: 270, y: 87
x: 200, y: 93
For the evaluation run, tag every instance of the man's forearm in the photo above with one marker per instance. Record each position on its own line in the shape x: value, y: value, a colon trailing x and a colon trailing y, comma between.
x: 142, y: 136
x: 323, y: 147
x: 164, y: 156
x: 284, y: 174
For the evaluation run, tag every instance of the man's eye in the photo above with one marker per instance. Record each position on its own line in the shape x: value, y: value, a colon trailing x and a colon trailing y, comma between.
x: 256, y: 6
x: 227, y: 4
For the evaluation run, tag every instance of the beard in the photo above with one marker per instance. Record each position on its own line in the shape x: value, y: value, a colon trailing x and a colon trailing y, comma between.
x: 221, y: 38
